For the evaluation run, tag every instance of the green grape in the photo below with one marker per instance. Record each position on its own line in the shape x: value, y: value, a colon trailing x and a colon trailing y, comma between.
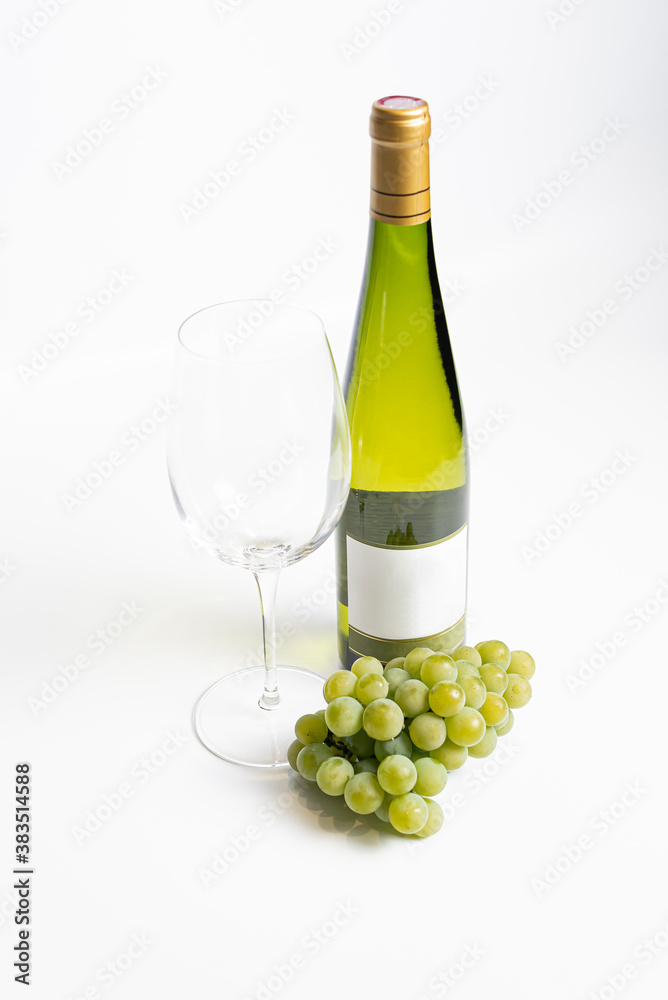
x: 494, y: 678
x: 413, y: 662
x: 333, y: 775
x: 382, y: 811
x: 344, y: 716
x: 495, y: 710
x: 474, y: 689
x: 466, y: 728
x: 494, y: 651
x: 467, y: 669
x: 468, y: 653
x: 365, y: 764
x: 427, y: 731
x: 370, y: 687
x: 394, y: 664
x: 435, y: 821
x: 408, y: 813
x: 310, y: 729
x: 363, y: 793
x: 450, y: 755
x: 502, y: 730
x: 412, y: 697
x: 417, y: 755
x: 361, y: 743
x: 366, y: 665
x: 383, y: 719
x: 522, y: 663
x: 293, y: 751
x: 400, y: 744
x: 394, y: 677
x: 487, y: 744
x: 397, y: 774
x: 320, y: 712
x: 446, y: 698
x: 438, y: 667
x: 311, y: 757
x: 432, y: 776
x: 340, y: 684
x: 518, y: 692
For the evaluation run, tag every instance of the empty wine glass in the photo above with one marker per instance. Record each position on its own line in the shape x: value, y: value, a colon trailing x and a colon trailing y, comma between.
x: 259, y: 464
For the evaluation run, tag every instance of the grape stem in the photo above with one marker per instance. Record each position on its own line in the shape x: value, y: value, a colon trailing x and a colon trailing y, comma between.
x: 342, y: 748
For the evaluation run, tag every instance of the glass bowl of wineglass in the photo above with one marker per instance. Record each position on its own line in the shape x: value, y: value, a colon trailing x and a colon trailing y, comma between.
x: 259, y: 464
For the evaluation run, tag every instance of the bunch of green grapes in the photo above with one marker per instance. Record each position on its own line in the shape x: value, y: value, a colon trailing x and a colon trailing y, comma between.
x: 389, y: 735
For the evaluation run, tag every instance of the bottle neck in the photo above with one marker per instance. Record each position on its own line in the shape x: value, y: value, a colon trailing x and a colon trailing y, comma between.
x: 401, y: 379
x: 400, y: 256
x: 400, y: 182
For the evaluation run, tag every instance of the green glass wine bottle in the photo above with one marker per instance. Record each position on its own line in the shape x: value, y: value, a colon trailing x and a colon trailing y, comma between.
x: 402, y: 542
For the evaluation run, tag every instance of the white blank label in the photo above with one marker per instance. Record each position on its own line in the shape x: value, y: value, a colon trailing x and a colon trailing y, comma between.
x: 406, y: 593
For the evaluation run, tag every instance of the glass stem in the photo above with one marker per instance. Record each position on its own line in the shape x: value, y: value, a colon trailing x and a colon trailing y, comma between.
x: 267, y: 581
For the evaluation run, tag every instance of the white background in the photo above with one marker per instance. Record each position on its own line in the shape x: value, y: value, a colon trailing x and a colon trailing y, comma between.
x: 519, y: 288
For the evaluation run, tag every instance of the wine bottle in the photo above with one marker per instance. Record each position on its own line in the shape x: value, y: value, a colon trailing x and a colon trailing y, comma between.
x: 402, y: 542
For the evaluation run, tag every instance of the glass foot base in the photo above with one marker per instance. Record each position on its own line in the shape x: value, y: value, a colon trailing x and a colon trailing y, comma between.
x: 231, y: 724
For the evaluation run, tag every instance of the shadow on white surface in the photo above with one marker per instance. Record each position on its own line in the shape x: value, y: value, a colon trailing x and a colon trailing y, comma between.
x: 331, y: 814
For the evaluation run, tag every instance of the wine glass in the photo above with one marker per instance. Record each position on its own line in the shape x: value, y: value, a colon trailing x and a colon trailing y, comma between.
x: 259, y: 465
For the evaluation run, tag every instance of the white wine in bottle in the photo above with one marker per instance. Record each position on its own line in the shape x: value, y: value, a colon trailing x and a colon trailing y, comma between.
x: 402, y: 542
